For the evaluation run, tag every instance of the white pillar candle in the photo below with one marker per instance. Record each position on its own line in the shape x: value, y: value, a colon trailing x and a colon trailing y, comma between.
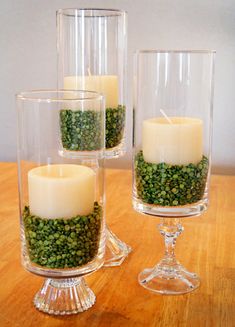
x: 61, y: 191
x: 105, y: 84
x: 177, y: 143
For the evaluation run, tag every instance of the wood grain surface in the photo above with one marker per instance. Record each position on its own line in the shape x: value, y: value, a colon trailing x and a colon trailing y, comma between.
x: 207, y: 247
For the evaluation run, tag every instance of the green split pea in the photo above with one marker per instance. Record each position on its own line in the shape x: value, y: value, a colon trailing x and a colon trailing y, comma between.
x: 62, y: 243
x: 170, y: 185
x: 115, y: 123
x: 82, y: 130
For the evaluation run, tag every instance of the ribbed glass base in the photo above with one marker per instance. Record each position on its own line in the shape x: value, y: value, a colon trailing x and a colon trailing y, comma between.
x: 64, y: 296
x: 116, y: 251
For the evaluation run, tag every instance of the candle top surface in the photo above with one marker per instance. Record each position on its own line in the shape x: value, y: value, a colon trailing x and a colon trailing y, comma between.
x: 174, y: 121
x: 61, y: 171
x: 91, y: 76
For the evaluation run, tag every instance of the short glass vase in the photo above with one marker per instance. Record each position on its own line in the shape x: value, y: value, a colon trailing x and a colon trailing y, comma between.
x: 61, y: 199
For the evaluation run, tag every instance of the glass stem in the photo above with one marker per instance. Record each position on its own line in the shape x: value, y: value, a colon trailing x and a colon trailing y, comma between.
x: 170, y: 229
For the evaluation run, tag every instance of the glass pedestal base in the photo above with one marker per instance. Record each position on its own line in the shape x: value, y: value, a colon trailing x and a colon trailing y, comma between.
x: 64, y: 296
x: 169, y: 276
x: 116, y: 251
x: 169, y: 280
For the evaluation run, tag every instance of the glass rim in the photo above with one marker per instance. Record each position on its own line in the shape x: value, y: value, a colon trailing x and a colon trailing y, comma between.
x: 36, y: 95
x: 109, y: 12
x: 175, y: 51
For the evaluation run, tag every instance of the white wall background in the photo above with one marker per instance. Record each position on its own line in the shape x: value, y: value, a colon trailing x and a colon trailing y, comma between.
x: 28, y: 56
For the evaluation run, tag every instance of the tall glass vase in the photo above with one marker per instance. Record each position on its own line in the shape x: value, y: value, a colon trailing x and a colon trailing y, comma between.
x: 172, y: 151
x: 91, y: 45
x: 61, y: 198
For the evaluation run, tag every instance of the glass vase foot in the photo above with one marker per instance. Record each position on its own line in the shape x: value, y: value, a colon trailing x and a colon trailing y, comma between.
x: 64, y: 296
x: 169, y: 280
x: 116, y: 251
x: 169, y: 276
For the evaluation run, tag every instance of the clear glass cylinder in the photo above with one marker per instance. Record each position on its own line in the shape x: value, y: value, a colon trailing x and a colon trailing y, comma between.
x: 91, y: 45
x: 61, y: 198
x: 172, y: 131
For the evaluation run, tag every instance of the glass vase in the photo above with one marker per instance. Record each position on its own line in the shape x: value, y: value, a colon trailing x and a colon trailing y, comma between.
x: 172, y: 151
x: 91, y: 46
x: 61, y: 198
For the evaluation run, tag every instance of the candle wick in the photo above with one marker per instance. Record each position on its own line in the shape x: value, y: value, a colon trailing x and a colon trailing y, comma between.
x: 165, y: 116
x: 89, y: 71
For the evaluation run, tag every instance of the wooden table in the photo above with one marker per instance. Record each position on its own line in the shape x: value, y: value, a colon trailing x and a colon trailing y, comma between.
x: 207, y: 247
